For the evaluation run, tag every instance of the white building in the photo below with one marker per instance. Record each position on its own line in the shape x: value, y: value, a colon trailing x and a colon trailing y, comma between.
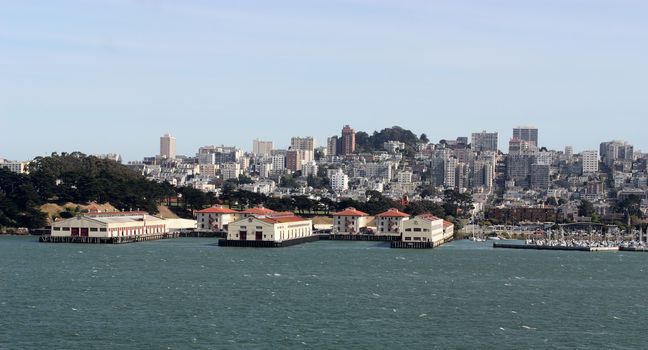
x: 390, y: 222
x: 230, y: 171
x: 270, y: 228
x: 108, y: 225
x: 278, y: 162
x: 590, y: 162
x: 16, y: 167
x: 349, y: 221
x: 339, y: 181
x: 425, y: 228
x: 261, y: 148
x: 168, y: 146
x: 405, y: 177
x: 309, y: 168
x: 215, y: 218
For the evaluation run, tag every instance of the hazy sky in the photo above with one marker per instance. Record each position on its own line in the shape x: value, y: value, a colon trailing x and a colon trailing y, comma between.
x: 113, y: 76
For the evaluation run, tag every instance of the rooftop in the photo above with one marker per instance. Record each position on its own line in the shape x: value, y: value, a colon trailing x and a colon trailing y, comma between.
x: 393, y: 212
x: 351, y: 212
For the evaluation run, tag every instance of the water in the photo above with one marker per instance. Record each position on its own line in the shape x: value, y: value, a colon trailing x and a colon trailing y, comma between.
x: 190, y: 294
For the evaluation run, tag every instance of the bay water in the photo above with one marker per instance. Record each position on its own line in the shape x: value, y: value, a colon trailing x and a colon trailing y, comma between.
x: 189, y: 293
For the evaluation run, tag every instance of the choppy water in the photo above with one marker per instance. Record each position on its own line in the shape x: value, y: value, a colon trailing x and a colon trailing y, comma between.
x: 191, y: 294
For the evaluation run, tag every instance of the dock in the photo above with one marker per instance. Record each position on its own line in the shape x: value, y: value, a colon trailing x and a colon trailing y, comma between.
x: 204, y: 234
x: 267, y: 244
x: 348, y: 237
x: 418, y: 245
x: 549, y: 247
x: 106, y: 240
x: 634, y: 249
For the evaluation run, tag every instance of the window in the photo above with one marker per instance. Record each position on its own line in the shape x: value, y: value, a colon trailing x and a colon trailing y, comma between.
x: 417, y: 238
x: 102, y: 230
x: 57, y: 229
x: 408, y: 238
x: 417, y: 229
x: 66, y: 229
x: 93, y: 229
x: 408, y: 230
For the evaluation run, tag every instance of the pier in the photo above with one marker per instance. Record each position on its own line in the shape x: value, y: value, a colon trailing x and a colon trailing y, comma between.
x: 107, y: 240
x: 204, y: 234
x: 349, y: 237
x: 267, y: 244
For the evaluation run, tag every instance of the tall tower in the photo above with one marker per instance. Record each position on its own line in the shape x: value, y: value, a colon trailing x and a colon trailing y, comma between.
x: 347, y: 141
x: 526, y: 133
x: 168, y: 146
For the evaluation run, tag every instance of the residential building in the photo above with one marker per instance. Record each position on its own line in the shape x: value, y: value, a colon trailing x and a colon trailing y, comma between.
x: 347, y: 141
x: 331, y: 146
x: 16, y: 167
x: 349, y: 221
x: 215, y: 218
x: 309, y: 169
x: 526, y: 133
x: 168, y: 146
x: 485, y: 141
x: 261, y: 148
x: 390, y: 222
x: 293, y: 160
x: 590, y: 160
x: 230, y: 171
x: 540, y: 176
x: 339, y: 181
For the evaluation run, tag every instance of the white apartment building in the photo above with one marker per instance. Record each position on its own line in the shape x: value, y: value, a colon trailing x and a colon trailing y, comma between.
x: 261, y: 148
x: 349, y: 221
x: 16, y: 167
x: 309, y: 168
x: 390, y: 222
x: 230, y: 171
x: 216, y: 218
x: 405, y: 177
x: 339, y: 181
x: 590, y: 162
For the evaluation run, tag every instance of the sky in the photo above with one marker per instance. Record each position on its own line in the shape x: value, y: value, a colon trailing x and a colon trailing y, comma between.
x: 104, y: 76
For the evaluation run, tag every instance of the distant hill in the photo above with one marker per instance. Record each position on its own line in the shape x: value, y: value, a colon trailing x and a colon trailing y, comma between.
x: 374, y: 142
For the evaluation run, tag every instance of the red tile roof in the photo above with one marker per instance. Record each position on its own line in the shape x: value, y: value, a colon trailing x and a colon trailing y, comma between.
x: 282, y: 219
x: 393, y: 213
x: 447, y: 224
x: 258, y: 211
x: 350, y: 212
x: 218, y: 209
x: 428, y: 216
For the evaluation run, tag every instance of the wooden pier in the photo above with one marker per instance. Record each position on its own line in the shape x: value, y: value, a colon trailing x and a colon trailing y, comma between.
x: 204, y: 234
x: 107, y: 240
x: 266, y: 244
x: 348, y: 237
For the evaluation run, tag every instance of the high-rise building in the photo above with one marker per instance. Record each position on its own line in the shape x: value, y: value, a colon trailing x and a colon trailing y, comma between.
x: 348, y: 141
x: 305, y: 146
x: 616, y: 151
x: 293, y: 160
x: 526, y: 133
x: 261, y: 148
x: 339, y: 181
x: 540, y: 176
x: 303, y: 143
x: 331, y: 146
x: 168, y: 146
x: 590, y: 162
x: 485, y: 141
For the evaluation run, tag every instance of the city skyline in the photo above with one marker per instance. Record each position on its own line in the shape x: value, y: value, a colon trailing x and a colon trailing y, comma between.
x: 227, y: 72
